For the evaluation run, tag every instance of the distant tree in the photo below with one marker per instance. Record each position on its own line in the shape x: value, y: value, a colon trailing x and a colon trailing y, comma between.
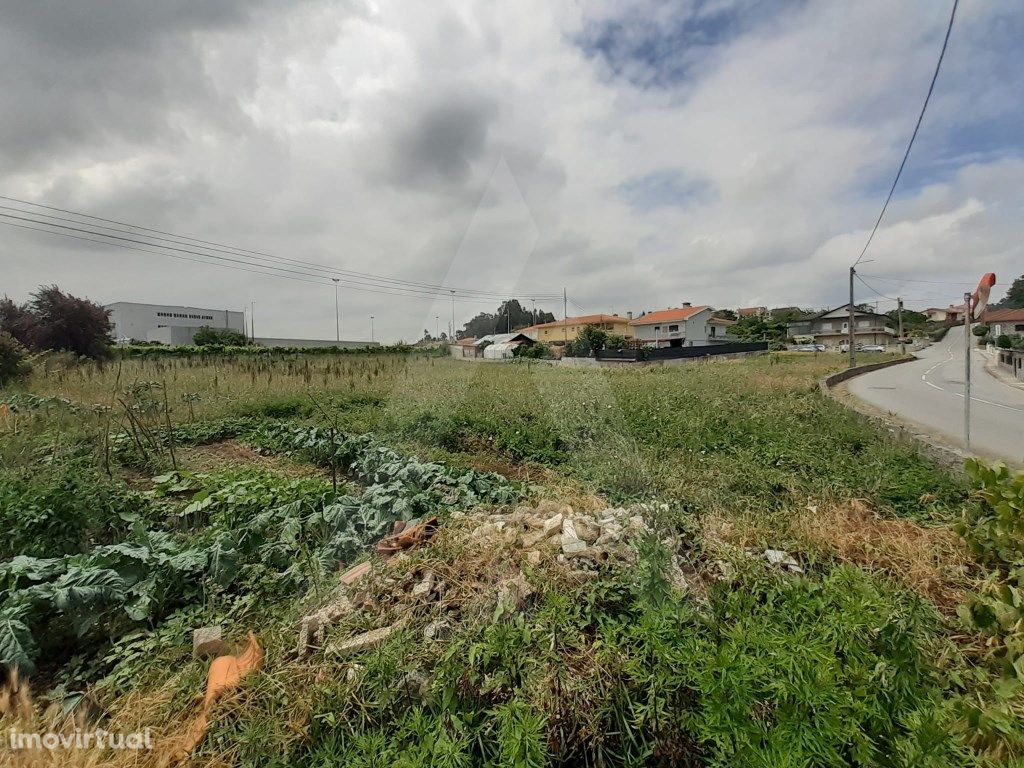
x: 912, y: 321
x: 755, y: 328
x: 511, y: 315
x: 225, y: 337
x: 64, y: 322
x: 1014, y: 296
x: 16, y: 320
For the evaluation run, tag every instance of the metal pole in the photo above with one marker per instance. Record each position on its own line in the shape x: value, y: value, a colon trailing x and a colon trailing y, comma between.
x: 252, y: 320
x: 337, y: 311
x: 452, y: 334
x: 371, y: 327
x: 967, y: 371
x: 533, y: 312
x: 899, y: 314
x: 849, y: 342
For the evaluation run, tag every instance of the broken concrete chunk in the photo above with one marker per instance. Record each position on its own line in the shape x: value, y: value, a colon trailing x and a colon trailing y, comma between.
x: 355, y: 573
x: 438, y: 629
x: 586, y: 528
x: 364, y: 642
x: 571, y: 541
x: 783, y: 558
x: 208, y: 642
x: 415, y: 684
x: 552, y: 526
x: 424, y: 587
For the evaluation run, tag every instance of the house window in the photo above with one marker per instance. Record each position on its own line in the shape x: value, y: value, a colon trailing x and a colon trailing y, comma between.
x: 672, y: 328
x: 657, y: 328
x: 712, y: 330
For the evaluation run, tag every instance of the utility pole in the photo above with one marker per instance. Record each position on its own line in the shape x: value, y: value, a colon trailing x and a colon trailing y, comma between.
x: 849, y: 341
x: 452, y: 334
x: 967, y: 371
x: 899, y: 315
x: 371, y: 328
x: 337, y: 312
x: 437, y: 326
x: 252, y: 320
x: 533, y: 312
x: 565, y: 318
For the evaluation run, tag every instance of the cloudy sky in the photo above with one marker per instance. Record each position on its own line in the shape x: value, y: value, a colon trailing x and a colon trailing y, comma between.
x: 640, y: 154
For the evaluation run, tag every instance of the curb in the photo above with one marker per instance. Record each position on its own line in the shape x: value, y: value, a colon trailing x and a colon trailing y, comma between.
x: 945, y: 456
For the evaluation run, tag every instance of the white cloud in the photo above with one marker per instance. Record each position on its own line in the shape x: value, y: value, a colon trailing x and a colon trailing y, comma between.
x: 366, y: 136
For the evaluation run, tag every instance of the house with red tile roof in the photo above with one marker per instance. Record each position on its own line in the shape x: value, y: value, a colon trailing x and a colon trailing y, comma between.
x: 685, y: 326
x: 1004, y: 321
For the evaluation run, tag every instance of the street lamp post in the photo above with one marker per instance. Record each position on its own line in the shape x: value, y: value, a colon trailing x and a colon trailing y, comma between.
x: 337, y: 311
x: 437, y: 326
x: 371, y: 328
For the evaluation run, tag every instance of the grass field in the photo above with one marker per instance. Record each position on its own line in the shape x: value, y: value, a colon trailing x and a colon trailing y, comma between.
x: 260, y: 472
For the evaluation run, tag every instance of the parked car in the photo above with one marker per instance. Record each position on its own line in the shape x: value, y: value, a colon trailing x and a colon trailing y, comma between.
x: 871, y: 348
x: 807, y: 348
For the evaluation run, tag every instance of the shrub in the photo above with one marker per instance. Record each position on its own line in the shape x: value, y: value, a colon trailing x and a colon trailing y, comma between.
x: 980, y: 330
x: 1003, y: 341
x: 226, y: 337
x: 13, y: 362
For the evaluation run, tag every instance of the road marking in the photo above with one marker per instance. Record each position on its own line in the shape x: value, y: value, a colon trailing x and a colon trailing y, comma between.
x: 924, y: 378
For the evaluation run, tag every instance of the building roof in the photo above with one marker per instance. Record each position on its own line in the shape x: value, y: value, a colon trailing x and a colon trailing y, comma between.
x: 502, y: 338
x: 581, y: 320
x: 721, y: 321
x: 466, y: 342
x: 859, y: 312
x: 745, y: 311
x: 669, y: 315
x: 1004, y: 316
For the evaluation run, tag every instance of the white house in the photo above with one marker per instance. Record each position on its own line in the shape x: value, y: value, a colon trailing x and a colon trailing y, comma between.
x: 685, y: 326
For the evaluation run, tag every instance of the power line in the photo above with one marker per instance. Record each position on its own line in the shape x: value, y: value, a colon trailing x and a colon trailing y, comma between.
x: 303, y: 277
x: 910, y: 280
x: 913, y: 136
x: 209, y: 245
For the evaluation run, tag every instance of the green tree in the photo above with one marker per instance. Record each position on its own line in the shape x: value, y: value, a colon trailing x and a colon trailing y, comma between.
x: 511, y: 315
x: 757, y: 329
x: 60, y: 321
x: 1014, y: 298
x: 226, y: 337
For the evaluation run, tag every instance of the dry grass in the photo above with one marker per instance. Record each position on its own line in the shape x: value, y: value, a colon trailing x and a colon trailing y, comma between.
x: 933, y: 561
x: 231, y: 454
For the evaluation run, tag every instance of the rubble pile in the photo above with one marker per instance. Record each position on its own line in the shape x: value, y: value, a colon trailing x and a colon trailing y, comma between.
x: 478, y: 559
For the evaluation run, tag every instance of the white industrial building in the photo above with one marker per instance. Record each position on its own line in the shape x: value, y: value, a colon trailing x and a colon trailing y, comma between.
x: 168, y: 324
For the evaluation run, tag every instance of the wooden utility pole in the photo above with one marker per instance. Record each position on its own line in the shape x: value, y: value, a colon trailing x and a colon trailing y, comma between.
x: 849, y: 342
x: 899, y: 316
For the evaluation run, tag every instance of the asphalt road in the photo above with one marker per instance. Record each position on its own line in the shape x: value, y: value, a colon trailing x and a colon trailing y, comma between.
x: 929, y: 392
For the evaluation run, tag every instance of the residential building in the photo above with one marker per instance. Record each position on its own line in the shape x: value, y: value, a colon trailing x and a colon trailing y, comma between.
x: 168, y: 324
x: 685, y: 326
x: 568, y: 329
x: 464, y: 347
x: 935, y: 314
x: 832, y: 327
x: 1004, y: 321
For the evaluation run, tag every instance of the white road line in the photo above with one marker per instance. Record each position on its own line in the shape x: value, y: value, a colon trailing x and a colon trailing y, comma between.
x: 924, y: 378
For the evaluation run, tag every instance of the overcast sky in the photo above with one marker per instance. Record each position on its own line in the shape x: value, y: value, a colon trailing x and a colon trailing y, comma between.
x: 641, y: 154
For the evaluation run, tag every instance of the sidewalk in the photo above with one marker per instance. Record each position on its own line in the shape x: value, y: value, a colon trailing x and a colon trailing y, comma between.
x: 994, y: 369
